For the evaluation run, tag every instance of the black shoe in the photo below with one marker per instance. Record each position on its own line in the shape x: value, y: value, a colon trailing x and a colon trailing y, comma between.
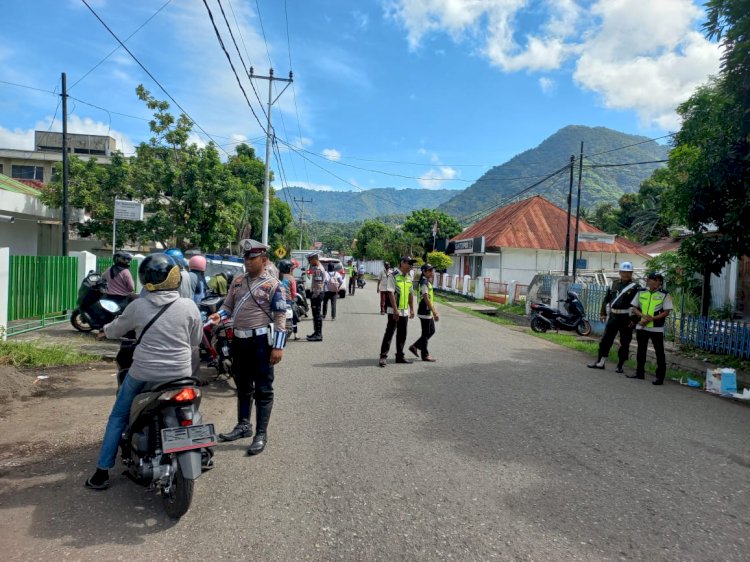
x: 595, y: 365
x: 414, y: 350
x: 315, y: 337
x: 258, y: 444
x: 382, y: 362
x: 240, y: 431
x: 619, y: 369
x: 404, y: 360
x: 99, y: 481
x: 641, y: 377
x: 657, y: 382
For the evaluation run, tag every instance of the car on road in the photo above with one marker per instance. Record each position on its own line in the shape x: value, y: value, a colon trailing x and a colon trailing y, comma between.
x: 215, y: 264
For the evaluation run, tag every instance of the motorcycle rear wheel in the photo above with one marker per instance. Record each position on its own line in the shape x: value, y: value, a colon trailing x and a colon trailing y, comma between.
x: 538, y: 325
x: 178, y: 497
x: 583, y: 328
x: 79, y: 323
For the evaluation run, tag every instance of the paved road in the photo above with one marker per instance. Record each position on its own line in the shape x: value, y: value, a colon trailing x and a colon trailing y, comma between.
x: 505, y: 449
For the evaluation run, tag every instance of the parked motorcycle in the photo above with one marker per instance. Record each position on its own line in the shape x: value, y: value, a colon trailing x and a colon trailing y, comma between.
x: 215, y: 346
x: 94, y: 310
x: 303, y: 308
x: 361, y: 281
x: 166, y: 445
x: 544, y: 317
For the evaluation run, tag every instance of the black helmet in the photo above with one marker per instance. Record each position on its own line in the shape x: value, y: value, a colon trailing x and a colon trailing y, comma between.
x: 159, y: 272
x: 123, y: 258
x: 572, y: 295
x: 285, y: 266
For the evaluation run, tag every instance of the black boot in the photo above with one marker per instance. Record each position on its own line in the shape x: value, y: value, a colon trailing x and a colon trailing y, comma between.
x: 243, y: 428
x: 263, y: 416
x: 318, y: 334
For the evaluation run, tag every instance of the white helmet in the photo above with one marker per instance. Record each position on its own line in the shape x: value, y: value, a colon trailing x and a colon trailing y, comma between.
x: 626, y: 266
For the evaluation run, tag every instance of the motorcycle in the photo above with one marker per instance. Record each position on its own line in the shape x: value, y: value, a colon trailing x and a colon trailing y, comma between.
x: 166, y: 445
x: 361, y: 281
x: 544, y: 317
x: 303, y: 308
x: 215, y: 348
x: 94, y: 310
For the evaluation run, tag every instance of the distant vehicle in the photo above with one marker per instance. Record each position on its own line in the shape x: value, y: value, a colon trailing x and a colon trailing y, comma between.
x: 300, y: 256
x: 215, y: 264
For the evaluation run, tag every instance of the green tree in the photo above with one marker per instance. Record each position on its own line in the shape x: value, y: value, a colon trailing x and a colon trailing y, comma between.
x: 420, y: 224
x: 440, y: 260
x: 371, y: 239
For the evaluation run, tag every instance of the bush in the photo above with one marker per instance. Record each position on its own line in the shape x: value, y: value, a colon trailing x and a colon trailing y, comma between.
x: 439, y: 260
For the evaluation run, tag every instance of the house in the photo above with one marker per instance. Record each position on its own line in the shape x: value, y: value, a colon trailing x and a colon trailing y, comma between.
x: 522, y: 239
x: 38, y: 164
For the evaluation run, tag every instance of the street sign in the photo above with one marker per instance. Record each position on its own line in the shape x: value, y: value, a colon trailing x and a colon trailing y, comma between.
x: 280, y: 252
x: 128, y: 210
x: 600, y: 237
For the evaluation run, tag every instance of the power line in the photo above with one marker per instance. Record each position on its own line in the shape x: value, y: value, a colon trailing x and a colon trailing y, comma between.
x: 163, y: 89
x: 113, y: 51
x: 263, y: 31
x: 589, y: 156
x: 624, y: 164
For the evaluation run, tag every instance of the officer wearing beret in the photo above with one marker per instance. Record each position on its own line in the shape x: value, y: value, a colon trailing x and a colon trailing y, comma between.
x: 257, y: 304
x: 319, y: 278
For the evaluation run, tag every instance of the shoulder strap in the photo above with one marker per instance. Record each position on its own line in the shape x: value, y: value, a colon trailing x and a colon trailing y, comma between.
x: 154, y: 319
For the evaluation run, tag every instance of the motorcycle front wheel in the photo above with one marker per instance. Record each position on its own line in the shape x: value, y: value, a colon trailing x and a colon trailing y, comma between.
x: 178, y: 497
x: 79, y: 323
x: 538, y: 325
x: 583, y: 328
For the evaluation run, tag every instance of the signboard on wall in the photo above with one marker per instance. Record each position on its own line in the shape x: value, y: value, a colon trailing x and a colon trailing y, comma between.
x: 469, y: 246
x: 128, y: 210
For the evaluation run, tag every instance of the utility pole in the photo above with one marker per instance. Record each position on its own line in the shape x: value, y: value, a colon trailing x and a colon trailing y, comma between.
x: 578, y: 215
x: 269, y: 139
x: 64, y: 94
x: 301, y: 214
x: 570, y: 204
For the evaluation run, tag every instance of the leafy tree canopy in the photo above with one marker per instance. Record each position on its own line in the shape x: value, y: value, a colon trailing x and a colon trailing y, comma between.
x: 420, y: 223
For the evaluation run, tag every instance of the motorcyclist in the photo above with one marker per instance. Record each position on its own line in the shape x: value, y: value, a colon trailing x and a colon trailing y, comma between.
x: 219, y: 283
x: 290, y: 287
x: 197, y: 265
x: 168, y: 350
x: 186, y: 290
x: 120, y: 286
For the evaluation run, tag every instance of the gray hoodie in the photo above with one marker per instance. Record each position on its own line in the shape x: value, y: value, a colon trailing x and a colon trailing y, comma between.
x: 169, y: 350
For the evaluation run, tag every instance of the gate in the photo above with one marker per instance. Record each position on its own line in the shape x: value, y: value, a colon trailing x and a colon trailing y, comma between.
x: 42, y: 291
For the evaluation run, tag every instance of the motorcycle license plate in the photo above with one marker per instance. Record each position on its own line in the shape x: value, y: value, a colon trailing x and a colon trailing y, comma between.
x: 176, y: 439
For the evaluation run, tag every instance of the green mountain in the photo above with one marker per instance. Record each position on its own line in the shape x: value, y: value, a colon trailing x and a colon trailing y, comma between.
x: 348, y: 206
x: 599, y: 185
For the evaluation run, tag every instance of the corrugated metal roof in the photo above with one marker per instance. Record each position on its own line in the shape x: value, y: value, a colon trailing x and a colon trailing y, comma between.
x: 538, y: 224
x: 662, y: 245
x: 9, y: 184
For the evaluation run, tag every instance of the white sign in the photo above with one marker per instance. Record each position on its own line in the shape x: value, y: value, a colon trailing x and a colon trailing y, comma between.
x: 596, y: 237
x: 128, y: 210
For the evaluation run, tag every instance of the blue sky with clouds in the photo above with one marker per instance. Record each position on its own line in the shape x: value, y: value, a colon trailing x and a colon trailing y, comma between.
x: 435, y: 90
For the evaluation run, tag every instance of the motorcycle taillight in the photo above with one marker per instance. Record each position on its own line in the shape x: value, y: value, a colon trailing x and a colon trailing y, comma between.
x: 187, y: 394
x: 230, y: 333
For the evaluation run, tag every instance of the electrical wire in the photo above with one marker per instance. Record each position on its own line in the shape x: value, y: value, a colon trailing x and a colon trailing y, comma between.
x: 163, y: 89
x: 589, y: 156
x: 113, y: 51
x: 624, y: 164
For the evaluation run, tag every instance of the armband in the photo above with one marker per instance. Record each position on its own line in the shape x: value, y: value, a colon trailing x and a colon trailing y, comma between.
x: 223, y: 314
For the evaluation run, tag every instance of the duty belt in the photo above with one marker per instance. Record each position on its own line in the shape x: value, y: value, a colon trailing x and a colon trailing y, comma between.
x: 250, y: 333
x: 620, y: 311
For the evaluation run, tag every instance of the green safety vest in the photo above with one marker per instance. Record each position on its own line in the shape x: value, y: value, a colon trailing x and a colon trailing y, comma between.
x: 403, y: 286
x: 350, y: 270
x: 652, y: 304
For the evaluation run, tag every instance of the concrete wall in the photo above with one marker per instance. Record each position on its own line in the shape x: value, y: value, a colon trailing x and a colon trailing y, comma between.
x: 20, y: 237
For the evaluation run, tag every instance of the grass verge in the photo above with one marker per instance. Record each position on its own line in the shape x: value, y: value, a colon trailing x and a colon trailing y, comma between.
x: 30, y: 354
x: 494, y: 319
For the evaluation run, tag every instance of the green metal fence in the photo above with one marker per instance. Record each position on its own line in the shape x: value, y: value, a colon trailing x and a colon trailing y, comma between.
x: 103, y: 264
x: 43, y: 290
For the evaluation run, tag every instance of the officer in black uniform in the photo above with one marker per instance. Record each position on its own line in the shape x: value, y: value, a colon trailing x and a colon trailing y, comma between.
x: 621, y: 319
x: 319, y: 279
x: 256, y: 301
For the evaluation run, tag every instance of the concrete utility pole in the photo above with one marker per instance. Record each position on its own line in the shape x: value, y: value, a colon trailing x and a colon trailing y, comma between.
x: 269, y: 139
x: 301, y: 213
x: 570, y: 204
x: 64, y: 94
x: 578, y: 215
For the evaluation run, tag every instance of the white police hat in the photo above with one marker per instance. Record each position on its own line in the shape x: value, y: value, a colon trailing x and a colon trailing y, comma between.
x: 250, y: 247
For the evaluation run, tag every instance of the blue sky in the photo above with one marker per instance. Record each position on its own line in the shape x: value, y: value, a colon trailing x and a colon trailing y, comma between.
x: 437, y: 90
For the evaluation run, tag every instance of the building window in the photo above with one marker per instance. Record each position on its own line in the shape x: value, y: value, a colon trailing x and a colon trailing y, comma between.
x: 27, y: 172
x: 1, y: 169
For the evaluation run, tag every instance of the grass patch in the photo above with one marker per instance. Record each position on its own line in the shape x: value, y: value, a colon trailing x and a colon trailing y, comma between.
x: 717, y: 358
x: 31, y: 354
x: 493, y: 319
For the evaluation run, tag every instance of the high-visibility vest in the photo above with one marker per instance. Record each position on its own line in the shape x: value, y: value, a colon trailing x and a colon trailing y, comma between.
x: 652, y: 304
x: 403, y: 286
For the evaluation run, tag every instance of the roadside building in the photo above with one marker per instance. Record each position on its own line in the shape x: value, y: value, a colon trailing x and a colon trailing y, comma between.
x: 516, y: 242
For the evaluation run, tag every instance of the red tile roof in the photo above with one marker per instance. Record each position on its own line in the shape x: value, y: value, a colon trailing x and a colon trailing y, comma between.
x: 538, y: 224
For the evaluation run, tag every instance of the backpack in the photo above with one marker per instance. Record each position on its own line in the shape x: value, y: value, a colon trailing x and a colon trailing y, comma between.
x: 334, y: 283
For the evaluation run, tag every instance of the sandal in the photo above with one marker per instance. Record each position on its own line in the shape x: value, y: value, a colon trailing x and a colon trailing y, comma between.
x: 429, y: 358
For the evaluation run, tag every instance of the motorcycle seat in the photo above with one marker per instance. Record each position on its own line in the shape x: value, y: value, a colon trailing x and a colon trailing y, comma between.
x: 182, y: 381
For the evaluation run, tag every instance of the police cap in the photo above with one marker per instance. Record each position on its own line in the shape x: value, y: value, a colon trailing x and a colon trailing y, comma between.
x: 252, y: 248
x: 313, y: 255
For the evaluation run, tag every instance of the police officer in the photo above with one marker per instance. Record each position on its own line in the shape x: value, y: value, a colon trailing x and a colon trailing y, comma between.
x: 319, y: 278
x: 652, y: 306
x: 257, y: 304
x: 399, y: 290
x: 617, y: 303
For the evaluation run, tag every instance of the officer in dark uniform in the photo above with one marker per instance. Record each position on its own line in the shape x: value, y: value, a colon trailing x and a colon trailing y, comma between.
x: 257, y: 304
x: 319, y: 278
x: 621, y: 319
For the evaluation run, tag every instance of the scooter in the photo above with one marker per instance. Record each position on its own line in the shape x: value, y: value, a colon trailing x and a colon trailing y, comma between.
x: 94, y: 310
x: 302, y: 306
x: 166, y: 445
x: 361, y: 281
x: 544, y: 317
x: 215, y: 348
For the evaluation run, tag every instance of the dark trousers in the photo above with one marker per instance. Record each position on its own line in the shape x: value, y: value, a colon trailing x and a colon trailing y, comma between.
x: 331, y: 297
x: 657, y: 338
x: 315, y: 305
x: 617, y: 324
x: 352, y: 283
x: 397, y: 326
x: 253, y: 375
x: 428, y: 330
x: 383, y: 300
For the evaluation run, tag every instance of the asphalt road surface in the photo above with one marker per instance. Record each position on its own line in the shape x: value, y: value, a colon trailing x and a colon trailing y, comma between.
x: 507, y: 448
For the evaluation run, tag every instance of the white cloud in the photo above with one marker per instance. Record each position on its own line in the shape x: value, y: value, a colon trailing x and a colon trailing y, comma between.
x: 644, y: 56
x: 434, y: 178
x: 547, y: 85
x: 332, y: 154
x: 308, y: 185
x: 17, y: 138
